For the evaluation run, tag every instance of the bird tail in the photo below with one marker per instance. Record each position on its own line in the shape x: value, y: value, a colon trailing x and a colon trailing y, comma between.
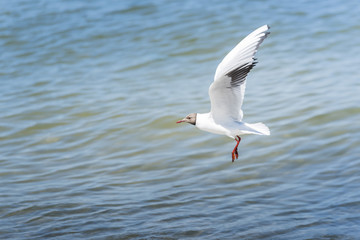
x: 258, y: 128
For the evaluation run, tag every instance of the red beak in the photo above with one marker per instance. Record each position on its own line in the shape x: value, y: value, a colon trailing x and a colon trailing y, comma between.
x: 180, y: 121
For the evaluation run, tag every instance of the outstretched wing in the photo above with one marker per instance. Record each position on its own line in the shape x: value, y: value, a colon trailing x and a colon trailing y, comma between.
x: 228, y: 89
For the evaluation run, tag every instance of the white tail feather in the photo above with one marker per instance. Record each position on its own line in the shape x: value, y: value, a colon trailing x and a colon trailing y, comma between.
x: 258, y: 128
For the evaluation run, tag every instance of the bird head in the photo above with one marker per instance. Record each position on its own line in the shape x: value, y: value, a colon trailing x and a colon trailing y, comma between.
x: 191, y: 118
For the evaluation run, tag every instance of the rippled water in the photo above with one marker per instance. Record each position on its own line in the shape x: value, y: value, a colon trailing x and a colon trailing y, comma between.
x: 90, y: 92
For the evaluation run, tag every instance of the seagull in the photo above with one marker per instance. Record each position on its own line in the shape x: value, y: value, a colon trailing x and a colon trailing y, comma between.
x: 227, y: 93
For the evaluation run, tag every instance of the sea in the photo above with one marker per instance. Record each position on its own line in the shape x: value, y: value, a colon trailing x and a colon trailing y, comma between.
x: 90, y: 93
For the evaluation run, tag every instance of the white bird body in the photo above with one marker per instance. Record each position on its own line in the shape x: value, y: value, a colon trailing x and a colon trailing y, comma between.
x: 227, y: 93
x: 205, y: 122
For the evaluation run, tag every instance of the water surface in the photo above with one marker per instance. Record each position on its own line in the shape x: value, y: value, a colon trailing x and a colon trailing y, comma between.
x: 91, y: 91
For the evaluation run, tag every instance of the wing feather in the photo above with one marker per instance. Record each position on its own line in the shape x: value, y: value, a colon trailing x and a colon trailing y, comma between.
x: 228, y: 89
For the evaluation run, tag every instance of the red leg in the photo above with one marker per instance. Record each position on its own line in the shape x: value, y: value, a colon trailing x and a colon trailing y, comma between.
x: 235, y: 151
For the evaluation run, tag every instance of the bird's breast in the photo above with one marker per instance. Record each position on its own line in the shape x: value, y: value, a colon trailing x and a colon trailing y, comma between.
x: 205, y: 122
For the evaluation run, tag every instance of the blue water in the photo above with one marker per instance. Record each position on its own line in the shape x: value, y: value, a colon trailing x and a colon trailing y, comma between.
x: 90, y: 93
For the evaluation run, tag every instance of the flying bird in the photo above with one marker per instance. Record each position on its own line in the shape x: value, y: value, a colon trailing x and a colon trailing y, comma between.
x: 227, y: 93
